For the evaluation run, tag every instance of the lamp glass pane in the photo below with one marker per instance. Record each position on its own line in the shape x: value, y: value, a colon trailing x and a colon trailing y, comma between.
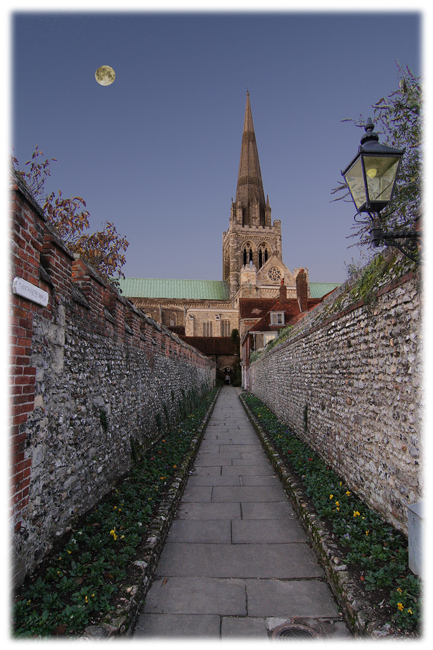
x: 380, y: 173
x: 354, y: 178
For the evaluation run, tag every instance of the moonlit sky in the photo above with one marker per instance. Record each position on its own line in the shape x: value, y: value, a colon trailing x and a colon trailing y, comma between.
x: 157, y: 152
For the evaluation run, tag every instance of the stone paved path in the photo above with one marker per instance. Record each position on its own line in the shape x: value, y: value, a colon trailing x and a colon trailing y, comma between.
x: 236, y: 562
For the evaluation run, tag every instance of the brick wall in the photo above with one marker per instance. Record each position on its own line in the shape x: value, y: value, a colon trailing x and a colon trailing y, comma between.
x: 348, y: 382
x: 93, y: 383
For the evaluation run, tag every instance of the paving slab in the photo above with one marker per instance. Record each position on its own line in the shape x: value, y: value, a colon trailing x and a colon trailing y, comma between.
x: 194, y: 494
x: 276, y: 510
x: 203, y: 511
x: 207, y: 471
x: 238, y: 560
x: 193, y: 595
x: 178, y: 625
x: 247, y: 447
x: 211, y: 531
x: 243, y: 626
x: 217, y: 459
x: 267, y: 531
x: 245, y: 470
x: 308, y: 598
x: 250, y: 481
x: 247, y: 494
x: 257, y: 461
x: 215, y: 481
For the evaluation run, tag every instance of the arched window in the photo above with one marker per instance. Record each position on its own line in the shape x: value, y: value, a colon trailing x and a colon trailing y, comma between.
x: 245, y: 256
x: 251, y: 255
x: 263, y: 256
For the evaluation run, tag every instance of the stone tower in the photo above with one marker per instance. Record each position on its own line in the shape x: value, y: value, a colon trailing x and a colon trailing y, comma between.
x: 251, y: 239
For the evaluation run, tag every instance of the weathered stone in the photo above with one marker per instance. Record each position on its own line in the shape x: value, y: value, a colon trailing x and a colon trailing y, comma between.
x: 372, y: 402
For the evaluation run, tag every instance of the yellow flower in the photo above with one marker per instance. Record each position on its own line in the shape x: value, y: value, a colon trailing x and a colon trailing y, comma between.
x: 341, y: 482
x: 400, y: 606
x: 331, y: 496
x: 69, y: 552
x: 113, y: 533
x: 409, y: 611
x: 337, y: 503
x: 356, y: 513
x: 366, y: 532
x: 338, y: 509
x: 115, y: 508
x: 348, y: 493
x: 400, y: 591
x: 86, y: 600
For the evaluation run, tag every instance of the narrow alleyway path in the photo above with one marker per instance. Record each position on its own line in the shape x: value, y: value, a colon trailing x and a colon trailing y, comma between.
x: 236, y: 561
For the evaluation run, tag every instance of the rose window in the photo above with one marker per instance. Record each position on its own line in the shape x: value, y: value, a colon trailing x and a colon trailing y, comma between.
x: 274, y: 274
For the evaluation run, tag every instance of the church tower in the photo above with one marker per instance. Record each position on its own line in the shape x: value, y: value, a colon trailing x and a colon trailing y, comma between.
x: 251, y: 239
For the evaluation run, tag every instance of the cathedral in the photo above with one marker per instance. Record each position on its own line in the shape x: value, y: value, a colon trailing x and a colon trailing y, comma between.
x: 254, y: 274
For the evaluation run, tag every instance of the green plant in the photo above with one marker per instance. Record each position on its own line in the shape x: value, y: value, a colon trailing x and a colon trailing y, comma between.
x: 305, y: 416
x: 167, y: 417
x: 371, y: 543
x: 103, y: 418
x: 80, y: 581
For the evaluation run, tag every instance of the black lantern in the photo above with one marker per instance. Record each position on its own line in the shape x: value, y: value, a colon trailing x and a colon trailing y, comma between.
x: 370, y: 178
x: 371, y: 175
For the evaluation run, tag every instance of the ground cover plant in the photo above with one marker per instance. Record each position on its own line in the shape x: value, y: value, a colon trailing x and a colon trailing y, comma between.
x: 77, y: 586
x: 376, y: 554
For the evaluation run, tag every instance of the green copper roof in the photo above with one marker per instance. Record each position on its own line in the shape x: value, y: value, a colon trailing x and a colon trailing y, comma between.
x: 183, y: 289
x: 319, y: 289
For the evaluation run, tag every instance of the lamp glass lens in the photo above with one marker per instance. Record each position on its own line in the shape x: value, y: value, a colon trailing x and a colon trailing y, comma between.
x: 354, y: 178
x: 380, y: 174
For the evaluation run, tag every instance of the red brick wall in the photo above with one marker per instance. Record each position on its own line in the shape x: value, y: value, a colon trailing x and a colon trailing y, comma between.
x: 27, y: 235
x: 86, y: 312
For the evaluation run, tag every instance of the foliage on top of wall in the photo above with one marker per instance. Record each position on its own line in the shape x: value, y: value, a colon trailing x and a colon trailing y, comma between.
x: 363, y: 284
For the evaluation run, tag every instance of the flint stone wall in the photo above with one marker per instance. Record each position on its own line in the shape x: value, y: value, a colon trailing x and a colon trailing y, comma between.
x: 94, y: 383
x: 349, y: 384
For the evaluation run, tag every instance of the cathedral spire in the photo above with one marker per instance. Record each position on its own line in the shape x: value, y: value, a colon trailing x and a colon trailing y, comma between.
x: 249, y: 192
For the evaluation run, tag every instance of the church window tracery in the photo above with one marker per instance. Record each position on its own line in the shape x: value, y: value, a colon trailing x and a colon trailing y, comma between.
x: 263, y: 256
x: 207, y: 328
x: 225, y: 328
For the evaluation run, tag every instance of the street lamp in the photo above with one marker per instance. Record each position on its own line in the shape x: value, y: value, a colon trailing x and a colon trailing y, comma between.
x: 370, y: 178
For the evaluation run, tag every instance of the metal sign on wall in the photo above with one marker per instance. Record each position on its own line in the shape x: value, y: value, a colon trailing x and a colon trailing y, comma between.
x: 27, y: 290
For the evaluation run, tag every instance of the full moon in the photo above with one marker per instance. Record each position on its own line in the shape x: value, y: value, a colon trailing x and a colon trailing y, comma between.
x: 105, y: 75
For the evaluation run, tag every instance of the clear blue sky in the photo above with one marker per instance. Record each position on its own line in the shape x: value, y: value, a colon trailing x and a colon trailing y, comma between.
x: 157, y: 152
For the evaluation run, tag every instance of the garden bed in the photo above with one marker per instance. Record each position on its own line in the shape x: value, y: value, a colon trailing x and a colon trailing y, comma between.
x: 95, y: 581
x: 364, y: 558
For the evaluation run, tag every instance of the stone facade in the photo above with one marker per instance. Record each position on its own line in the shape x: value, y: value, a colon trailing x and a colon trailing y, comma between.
x: 348, y: 382
x: 211, y: 322
x: 93, y: 383
x: 252, y: 253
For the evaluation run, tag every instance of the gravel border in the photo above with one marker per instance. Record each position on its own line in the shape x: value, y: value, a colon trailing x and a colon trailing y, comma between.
x: 357, y: 611
x: 121, y: 621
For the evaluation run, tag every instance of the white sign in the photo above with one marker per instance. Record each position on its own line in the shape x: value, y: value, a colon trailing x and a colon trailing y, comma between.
x: 27, y: 290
